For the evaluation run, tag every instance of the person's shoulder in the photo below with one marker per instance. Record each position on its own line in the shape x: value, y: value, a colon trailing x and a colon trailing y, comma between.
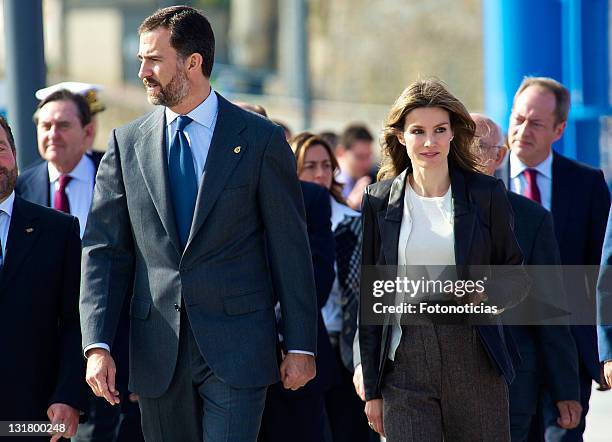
x: 480, y: 180
x: 568, y: 164
x: 46, y: 214
x: 143, y: 120
x: 32, y: 169
x: 380, y: 188
x: 523, y: 206
x: 252, y: 120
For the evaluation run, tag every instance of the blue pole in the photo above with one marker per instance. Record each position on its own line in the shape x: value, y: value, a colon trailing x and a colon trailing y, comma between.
x: 563, y: 39
x: 25, y: 72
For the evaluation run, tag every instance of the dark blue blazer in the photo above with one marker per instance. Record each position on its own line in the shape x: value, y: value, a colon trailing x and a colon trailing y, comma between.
x: 580, y: 206
x: 33, y: 182
x: 322, y: 248
x: 551, y: 347
x: 481, y: 239
x: 40, y: 334
x: 604, y: 298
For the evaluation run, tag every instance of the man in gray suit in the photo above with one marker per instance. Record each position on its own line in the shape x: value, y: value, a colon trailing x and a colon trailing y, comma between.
x: 197, y: 215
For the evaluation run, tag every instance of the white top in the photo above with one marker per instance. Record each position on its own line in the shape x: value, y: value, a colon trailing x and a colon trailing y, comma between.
x: 332, y: 310
x: 198, y: 133
x: 79, y: 190
x: 426, y: 238
x: 6, y: 211
x: 518, y: 181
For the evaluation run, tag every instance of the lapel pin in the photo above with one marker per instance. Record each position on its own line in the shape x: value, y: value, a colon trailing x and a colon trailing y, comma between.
x: 29, y: 230
x: 237, y: 149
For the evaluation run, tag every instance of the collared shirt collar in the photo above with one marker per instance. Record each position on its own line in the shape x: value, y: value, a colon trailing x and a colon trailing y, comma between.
x: 203, y: 114
x: 6, y: 206
x: 517, y: 166
x: 82, y: 171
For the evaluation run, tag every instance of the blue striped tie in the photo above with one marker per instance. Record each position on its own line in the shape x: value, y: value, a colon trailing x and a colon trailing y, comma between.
x: 183, y: 181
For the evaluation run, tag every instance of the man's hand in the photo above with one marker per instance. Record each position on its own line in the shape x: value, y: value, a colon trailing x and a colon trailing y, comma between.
x: 63, y: 414
x: 358, y: 382
x: 569, y: 414
x: 374, y: 412
x: 296, y: 370
x: 607, y: 373
x: 356, y: 195
x: 101, y: 374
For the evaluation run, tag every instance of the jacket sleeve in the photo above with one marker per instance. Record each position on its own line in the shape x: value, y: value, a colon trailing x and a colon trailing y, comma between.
x: 555, y: 342
x: 510, y: 283
x: 370, y: 336
x: 71, y: 388
x: 108, y: 252
x: 282, y: 209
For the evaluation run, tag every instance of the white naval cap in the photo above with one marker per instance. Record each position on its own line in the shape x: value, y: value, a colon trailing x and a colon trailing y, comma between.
x: 89, y: 91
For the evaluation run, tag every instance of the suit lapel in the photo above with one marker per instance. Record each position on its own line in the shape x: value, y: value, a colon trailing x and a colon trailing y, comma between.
x: 38, y: 187
x: 561, y: 194
x: 391, y: 219
x: 23, y: 231
x: 151, y: 153
x: 221, y: 160
x: 464, y: 218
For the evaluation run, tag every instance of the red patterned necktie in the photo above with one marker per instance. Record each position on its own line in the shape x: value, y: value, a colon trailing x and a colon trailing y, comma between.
x: 532, y: 191
x: 60, y: 199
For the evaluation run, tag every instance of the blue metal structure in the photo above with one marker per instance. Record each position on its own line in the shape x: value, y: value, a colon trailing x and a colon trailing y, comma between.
x: 563, y: 39
x: 25, y: 72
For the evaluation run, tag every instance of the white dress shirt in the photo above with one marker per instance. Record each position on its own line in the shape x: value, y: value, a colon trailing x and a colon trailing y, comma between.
x: 198, y: 133
x: 518, y: 181
x: 79, y: 190
x: 426, y: 238
x: 6, y: 211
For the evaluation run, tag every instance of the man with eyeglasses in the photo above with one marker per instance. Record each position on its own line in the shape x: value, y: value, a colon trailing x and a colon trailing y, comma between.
x: 548, y: 352
x: 579, y: 200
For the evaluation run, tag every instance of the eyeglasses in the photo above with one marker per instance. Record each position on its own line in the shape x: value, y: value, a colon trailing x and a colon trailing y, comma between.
x: 485, y: 147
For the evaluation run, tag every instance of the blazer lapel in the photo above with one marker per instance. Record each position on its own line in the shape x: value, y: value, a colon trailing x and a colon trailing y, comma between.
x: 562, y: 189
x: 464, y: 218
x: 23, y: 231
x: 151, y: 153
x: 223, y: 156
x: 37, y: 189
x: 392, y: 220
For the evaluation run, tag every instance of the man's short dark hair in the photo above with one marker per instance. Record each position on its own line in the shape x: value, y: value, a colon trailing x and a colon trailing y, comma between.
x: 9, y: 133
x: 354, y: 133
x: 65, y: 95
x: 190, y: 32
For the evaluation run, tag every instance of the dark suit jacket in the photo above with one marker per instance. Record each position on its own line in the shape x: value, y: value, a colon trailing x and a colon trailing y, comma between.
x: 483, y: 236
x: 248, y: 244
x: 547, y: 350
x: 604, y: 298
x: 321, y: 240
x: 33, y: 182
x: 39, y: 316
x: 580, y: 205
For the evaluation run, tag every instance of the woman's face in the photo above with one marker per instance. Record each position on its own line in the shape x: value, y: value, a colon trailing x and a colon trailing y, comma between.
x: 317, y: 167
x: 427, y: 135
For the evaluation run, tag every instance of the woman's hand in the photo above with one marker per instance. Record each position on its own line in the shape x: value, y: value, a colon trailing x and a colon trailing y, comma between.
x: 374, y: 412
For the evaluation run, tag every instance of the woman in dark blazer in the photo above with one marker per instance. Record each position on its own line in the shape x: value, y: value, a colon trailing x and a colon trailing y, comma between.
x: 431, y: 206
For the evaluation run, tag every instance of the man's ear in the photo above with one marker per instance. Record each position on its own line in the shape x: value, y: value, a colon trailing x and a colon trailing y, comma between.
x: 559, y: 130
x: 194, y: 62
x: 501, y: 154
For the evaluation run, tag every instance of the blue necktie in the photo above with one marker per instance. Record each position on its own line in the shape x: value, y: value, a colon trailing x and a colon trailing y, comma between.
x: 183, y: 182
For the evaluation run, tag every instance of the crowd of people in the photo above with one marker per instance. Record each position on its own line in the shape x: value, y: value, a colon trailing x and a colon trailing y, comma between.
x: 201, y: 279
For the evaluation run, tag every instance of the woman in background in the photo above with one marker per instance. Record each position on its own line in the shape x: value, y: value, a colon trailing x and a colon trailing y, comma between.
x: 316, y: 163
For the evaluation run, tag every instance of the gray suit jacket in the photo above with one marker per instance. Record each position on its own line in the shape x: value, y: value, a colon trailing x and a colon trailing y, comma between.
x: 248, y: 248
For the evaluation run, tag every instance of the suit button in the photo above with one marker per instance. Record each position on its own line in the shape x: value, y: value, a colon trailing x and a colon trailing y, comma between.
x: 177, y: 307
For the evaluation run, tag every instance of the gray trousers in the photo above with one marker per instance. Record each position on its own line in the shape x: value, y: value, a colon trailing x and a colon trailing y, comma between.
x: 443, y: 386
x: 198, y: 405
